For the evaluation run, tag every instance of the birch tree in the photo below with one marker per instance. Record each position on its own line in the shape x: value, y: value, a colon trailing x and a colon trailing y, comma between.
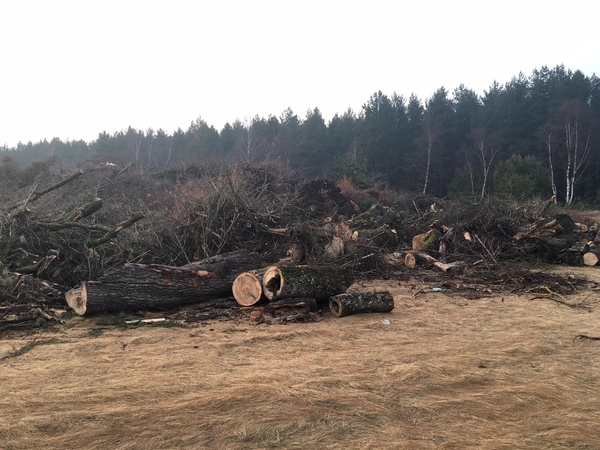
x: 486, y: 149
x: 568, y: 142
x: 429, y: 143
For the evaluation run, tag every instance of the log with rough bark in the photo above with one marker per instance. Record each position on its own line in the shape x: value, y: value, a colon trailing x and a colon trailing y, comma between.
x: 247, y: 288
x: 136, y: 287
x: 288, y: 310
x: 549, y: 247
x: 318, y: 282
x: 361, y: 303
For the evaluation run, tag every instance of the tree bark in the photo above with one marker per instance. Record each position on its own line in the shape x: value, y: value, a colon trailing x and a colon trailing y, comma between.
x: 360, y: 303
x: 288, y: 310
x: 247, y: 288
x: 155, y: 287
x: 549, y: 247
x: 315, y: 282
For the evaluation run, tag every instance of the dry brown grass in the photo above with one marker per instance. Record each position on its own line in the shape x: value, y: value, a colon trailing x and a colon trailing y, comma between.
x: 446, y: 373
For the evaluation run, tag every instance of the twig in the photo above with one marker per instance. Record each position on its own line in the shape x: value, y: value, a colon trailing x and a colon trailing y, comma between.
x: 119, y: 227
x: 26, y: 348
x: 585, y: 336
x: 562, y: 300
x: 486, y: 249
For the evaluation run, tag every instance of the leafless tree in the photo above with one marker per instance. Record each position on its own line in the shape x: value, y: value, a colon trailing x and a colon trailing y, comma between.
x: 569, y: 141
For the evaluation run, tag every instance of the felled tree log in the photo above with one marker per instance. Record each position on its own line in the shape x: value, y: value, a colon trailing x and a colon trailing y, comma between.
x: 410, y: 261
x: 84, y: 211
x: 426, y: 241
x: 360, y: 303
x: 288, y: 310
x: 549, y: 247
x: 591, y: 258
x: 155, y: 287
x: 247, y: 288
x: 315, y: 282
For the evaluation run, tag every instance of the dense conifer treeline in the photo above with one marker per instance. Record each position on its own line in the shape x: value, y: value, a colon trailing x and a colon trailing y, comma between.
x: 532, y: 135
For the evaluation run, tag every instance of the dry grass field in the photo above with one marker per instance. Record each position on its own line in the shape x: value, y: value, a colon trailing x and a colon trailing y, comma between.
x: 501, y: 372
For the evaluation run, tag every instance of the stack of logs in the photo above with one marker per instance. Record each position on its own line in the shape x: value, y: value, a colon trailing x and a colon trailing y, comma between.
x: 289, y: 293
x: 561, y: 239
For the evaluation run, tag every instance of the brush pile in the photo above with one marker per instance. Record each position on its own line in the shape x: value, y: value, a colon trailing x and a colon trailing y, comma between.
x: 87, y: 232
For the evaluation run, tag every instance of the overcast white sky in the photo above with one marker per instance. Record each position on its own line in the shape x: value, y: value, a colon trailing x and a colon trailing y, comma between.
x: 72, y: 69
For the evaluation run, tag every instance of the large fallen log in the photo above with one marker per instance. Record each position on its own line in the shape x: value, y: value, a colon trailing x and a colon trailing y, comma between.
x: 548, y: 248
x: 360, y: 303
x: 316, y: 282
x: 247, y: 288
x: 136, y: 287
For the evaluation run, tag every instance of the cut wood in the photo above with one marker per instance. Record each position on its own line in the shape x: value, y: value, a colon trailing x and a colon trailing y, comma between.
x: 440, y: 265
x: 315, y: 282
x: 410, y: 261
x: 549, y: 247
x: 591, y: 258
x: 361, y: 303
x: 136, y: 287
x: 426, y: 241
x: 335, y: 249
x: 288, y: 310
x: 247, y: 288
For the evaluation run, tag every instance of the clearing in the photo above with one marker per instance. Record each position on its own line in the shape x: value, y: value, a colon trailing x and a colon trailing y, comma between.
x: 502, y: 371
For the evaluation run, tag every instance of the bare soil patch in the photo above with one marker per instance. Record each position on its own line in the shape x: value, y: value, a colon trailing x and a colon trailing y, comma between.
x: 450, y: 370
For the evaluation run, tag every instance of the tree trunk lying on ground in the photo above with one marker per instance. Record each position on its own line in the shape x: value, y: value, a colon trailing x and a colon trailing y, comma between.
x: 360, y: 303
x: 549, y: 247
x: 591, y: 258
x: 319, y: 283
x: 136, y: 287
x: 288, y: 310
x: 247, y: 288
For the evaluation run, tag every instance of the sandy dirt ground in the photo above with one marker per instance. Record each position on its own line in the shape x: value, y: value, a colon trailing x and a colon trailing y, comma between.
x: 499, y: 372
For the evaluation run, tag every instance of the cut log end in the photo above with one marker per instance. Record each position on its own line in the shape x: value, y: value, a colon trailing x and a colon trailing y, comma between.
x: 335, y: 305
x: 590, y: 259
x: 410, y: 261
x: 273, y: 282
x: 77, y: 299
x: 247, y: 289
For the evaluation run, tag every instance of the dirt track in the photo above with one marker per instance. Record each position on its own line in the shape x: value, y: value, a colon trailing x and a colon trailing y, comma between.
x: 498, y: 372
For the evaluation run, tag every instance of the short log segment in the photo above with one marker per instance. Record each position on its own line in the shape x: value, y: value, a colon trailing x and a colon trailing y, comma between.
x: 136, y: 287
x: 315, y: 282
x: 361, y: 303
x: 247, y: 288
x: 591, y: 258
x: 289, y: 310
